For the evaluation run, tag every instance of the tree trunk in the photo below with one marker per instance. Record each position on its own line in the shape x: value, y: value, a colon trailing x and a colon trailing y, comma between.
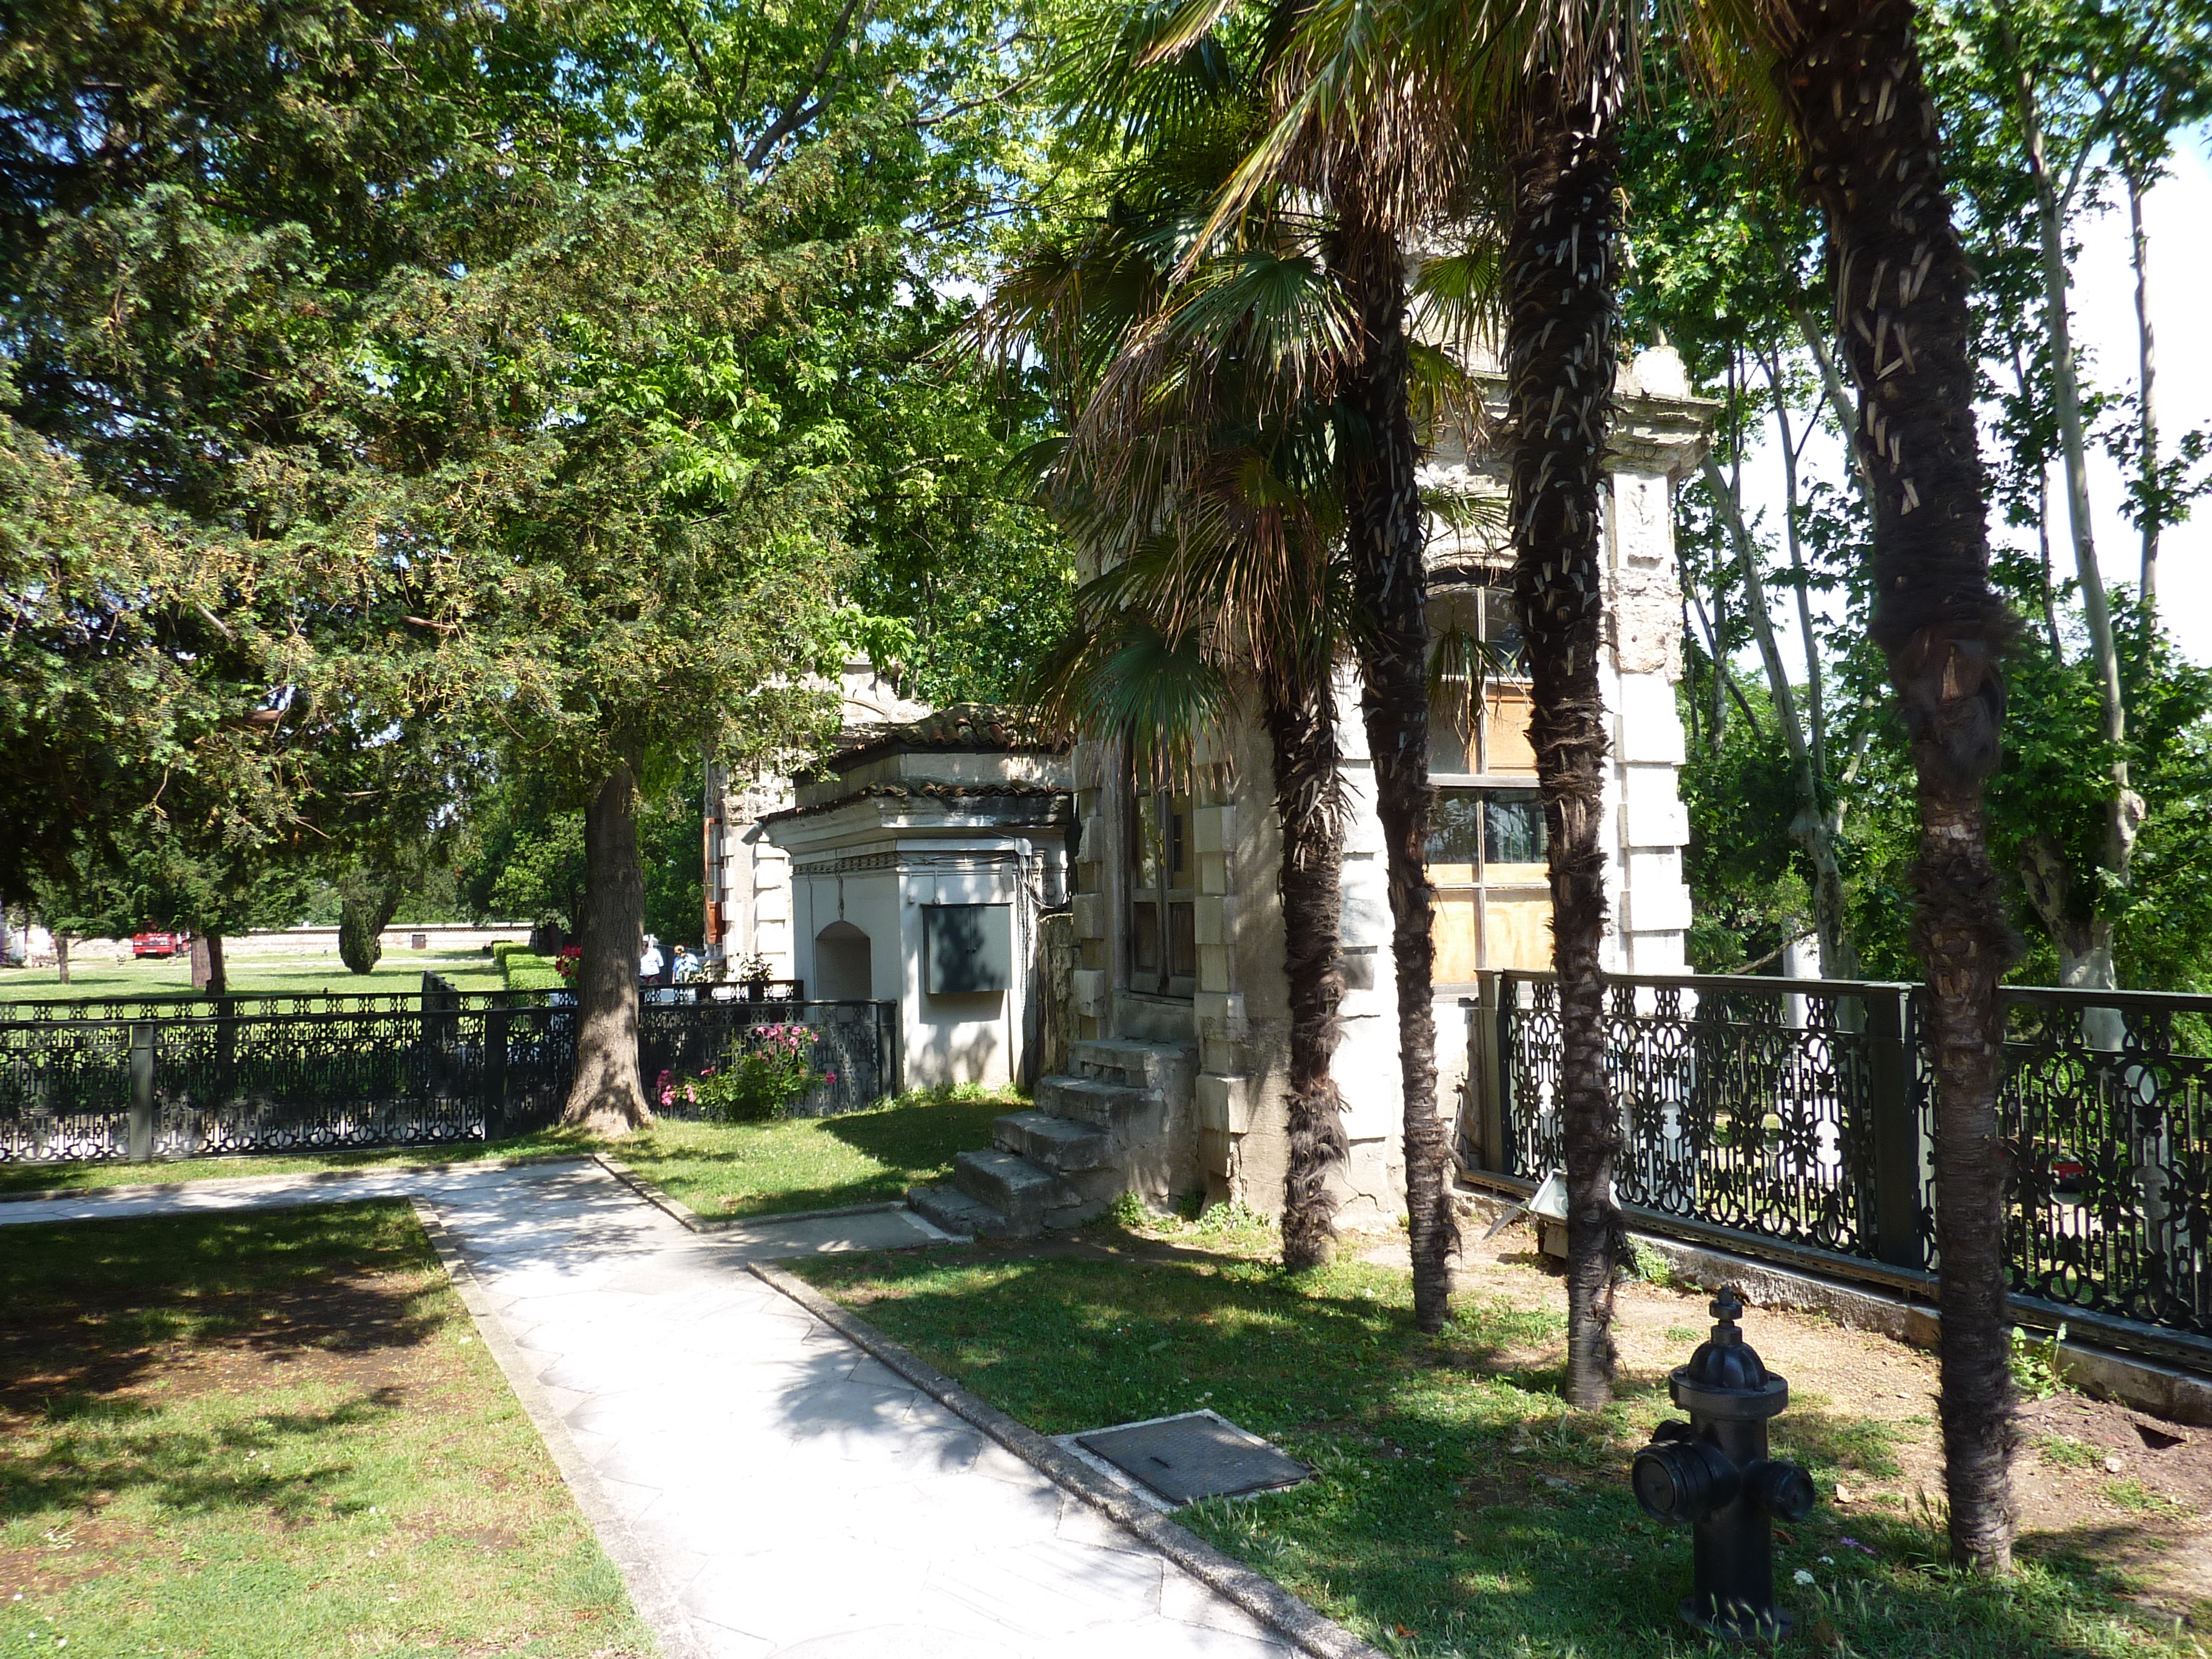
x: 1813, y: 825
x: 1309, y: 806
x: 2146, y: 400
x: 1385, y: 538
x: 61, y: 958
x: 1562, y: 264
x: 1849, y: 74
x: 209, y: 977
x: 2123, y: 808
x: 608, y: 1097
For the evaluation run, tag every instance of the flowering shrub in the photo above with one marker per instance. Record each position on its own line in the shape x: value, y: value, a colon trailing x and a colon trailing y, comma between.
x: 568, y: 961
x: 766, y: 1070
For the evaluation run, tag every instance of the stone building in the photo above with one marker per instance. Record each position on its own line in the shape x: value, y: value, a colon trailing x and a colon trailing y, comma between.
x: 1178, y: 1003
x: 748, y: 877
x: 921, y: 858
x: 1176, y: 1082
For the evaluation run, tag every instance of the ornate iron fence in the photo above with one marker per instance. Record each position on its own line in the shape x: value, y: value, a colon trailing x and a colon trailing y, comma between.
x: 442, y: 1067
x: 856, y: 1045
x: 1802, y: 1111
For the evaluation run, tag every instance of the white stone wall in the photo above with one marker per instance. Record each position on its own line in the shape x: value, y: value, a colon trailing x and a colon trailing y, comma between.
x: 1237, y: 1019
x: 751, y: 878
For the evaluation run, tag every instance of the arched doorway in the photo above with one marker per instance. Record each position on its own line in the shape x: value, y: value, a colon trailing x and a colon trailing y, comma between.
x: 844, y: 965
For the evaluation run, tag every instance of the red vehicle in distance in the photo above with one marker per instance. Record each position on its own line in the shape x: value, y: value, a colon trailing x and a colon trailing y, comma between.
x: 158, y: 944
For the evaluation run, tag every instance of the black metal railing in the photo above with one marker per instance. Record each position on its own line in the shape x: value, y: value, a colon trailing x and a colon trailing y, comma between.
x: 442, y: 1067
x: 1801, y: 1111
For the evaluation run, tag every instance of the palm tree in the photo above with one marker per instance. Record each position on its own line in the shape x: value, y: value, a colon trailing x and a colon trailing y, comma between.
x: 1561, y: 345
x: 1197, y: 477
x: 1359, y: 126
x: 1849, y: 74
x: 1391, y: 107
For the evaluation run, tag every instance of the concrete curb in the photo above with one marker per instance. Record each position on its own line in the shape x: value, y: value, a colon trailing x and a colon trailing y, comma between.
x: 1310, y: 1633
x: 155, y: 1188
x: 655, y: 1599
x: 709, y: 1225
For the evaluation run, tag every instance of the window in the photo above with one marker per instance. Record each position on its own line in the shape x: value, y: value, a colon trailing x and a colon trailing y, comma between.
x: 1491, y: 740
x: 1162, y: 922
x: 1486, y: 862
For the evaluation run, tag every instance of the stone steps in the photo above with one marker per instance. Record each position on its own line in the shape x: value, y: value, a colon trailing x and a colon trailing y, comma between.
x: 1104, y: 1105
x: 954, y: 1211
x: 1064, y: 1161
x: 1061, y: 1144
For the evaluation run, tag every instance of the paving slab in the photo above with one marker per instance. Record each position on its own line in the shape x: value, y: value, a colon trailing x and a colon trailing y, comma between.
x: 769, y: 1491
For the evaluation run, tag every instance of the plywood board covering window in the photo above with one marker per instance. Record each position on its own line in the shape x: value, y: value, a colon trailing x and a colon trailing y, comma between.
x: 1486, y: 851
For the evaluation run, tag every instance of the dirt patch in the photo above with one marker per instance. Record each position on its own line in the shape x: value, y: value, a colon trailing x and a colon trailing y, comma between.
x: 352, y: 1329
x: 2095, y: 1481
x: 67, y: 1555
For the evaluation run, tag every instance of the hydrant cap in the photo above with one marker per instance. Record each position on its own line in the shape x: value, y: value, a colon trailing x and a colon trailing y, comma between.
x: 1727, y: 1369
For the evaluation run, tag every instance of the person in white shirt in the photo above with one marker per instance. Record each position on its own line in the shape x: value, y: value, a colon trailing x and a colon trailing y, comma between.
x: 649, y: 961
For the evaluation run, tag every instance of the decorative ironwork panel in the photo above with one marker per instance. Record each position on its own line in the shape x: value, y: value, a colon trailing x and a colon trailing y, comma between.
x: 252, y: 1005
x: 1743, y: 1104
x: 318, y: 1082
x: 64, y: 1092
x: 2106, y: 1108
x: 854, y: 1044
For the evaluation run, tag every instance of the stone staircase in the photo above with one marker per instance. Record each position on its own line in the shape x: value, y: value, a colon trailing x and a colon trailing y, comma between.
x: 1095, y: 1133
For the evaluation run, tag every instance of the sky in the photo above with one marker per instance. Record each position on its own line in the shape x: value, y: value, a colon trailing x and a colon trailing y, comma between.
x: 2177, y: 213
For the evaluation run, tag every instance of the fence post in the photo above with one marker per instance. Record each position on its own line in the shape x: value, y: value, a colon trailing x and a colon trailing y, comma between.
x: 142, y: 1092
x: 1486, y: 1070
x: 1895, y: 1127
x: 495, y: 1069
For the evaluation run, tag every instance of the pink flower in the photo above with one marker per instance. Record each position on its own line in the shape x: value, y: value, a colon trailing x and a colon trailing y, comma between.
x: 828, y: 1077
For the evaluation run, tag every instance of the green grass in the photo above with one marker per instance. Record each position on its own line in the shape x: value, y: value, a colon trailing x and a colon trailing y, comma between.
x: 2064, y: 1452
x: 2134, y: 1495
x: 52, y: 1178
x: 102, y: 976
x: 812, y: 1164
x: 271, y: 1437
x: 1458, y: 1508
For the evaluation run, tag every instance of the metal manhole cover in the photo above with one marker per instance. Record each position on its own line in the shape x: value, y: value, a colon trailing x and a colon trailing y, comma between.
x: 1197, y: 1455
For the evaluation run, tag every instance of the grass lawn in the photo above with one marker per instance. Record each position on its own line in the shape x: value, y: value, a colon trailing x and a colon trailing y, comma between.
x: 274, y: 1436
x: 49, y: 1177
x: 103, y: 976
x: 719, y: 1169
x: 813, y: 1163
x: 1458, y: 1507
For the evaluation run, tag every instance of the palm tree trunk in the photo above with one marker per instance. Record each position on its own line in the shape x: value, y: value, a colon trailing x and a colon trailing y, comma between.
x: 1561, y: 263
x: 1385, y: 536
x: 608, y: 1097
x: 1849, y: 73
x: 1309, y: 806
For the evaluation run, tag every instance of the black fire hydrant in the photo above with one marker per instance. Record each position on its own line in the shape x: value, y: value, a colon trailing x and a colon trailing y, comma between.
x: 1714, y: 1473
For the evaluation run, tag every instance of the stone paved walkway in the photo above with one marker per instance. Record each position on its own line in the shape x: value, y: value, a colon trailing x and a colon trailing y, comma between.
x: 767, y: 1487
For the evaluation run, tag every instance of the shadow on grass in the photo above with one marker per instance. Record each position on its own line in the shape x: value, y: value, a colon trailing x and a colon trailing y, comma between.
x: 89, y: 1452
x: 95, y: 1308
x: 1458, y: 1506
x: 924, y: 1136
x: 811, y: 1164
